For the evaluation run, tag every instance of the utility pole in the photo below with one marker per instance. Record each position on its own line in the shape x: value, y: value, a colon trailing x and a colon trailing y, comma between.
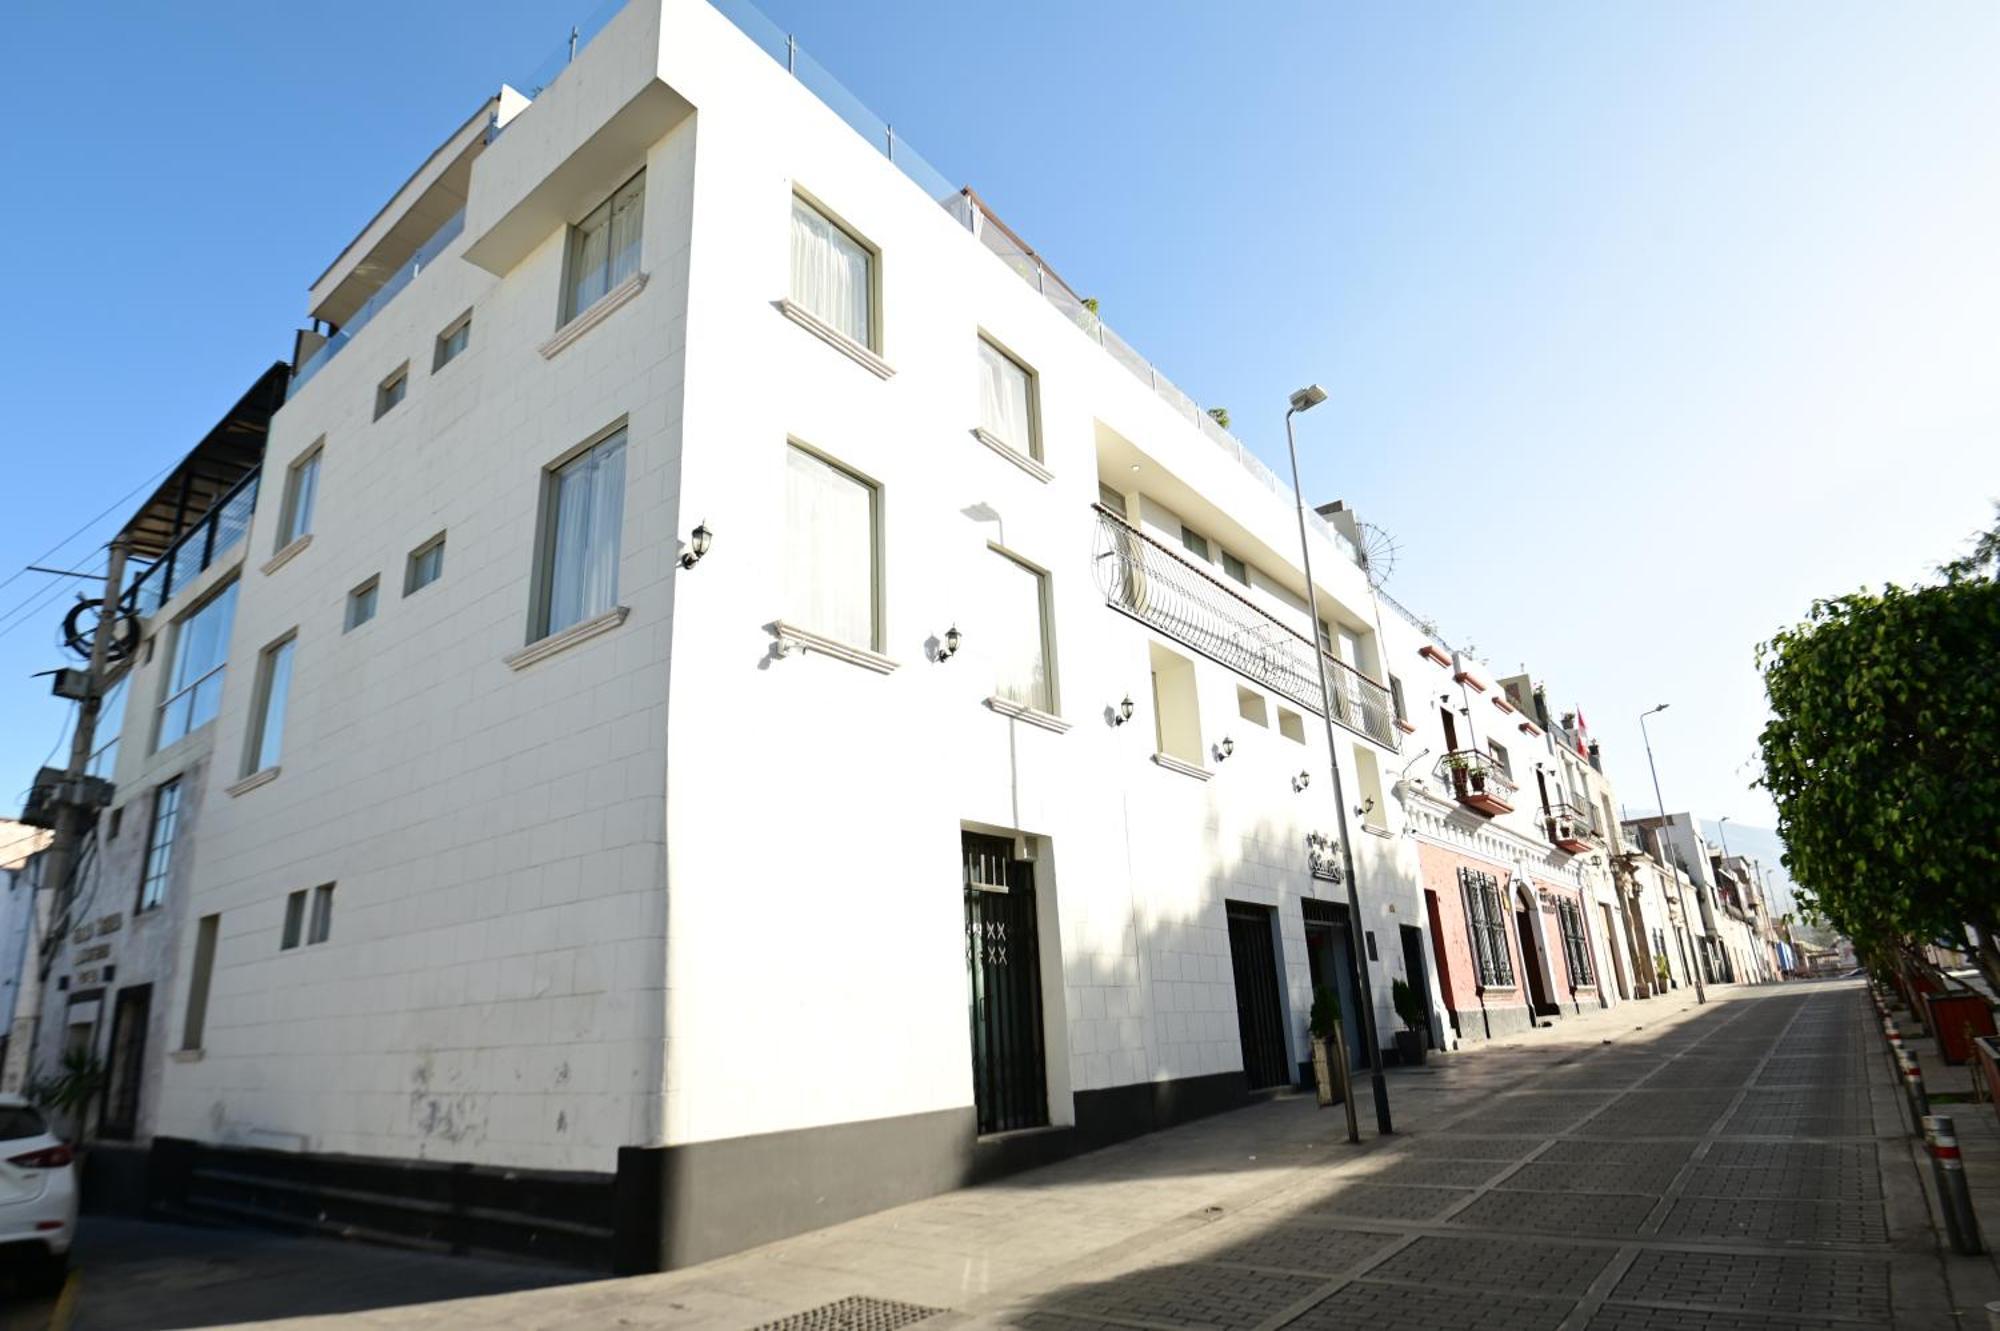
x: 1687, y: 926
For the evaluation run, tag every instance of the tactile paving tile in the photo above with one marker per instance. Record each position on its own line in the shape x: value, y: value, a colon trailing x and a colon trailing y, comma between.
x: 1384, y: 1307
x: 1189, y: 1294
x: 1573, y: 1176
x: 1314, y: 1246
x: 1775, y: 1221
x: 1802, y: 1286
x: 1598, y: 1213
x: 1369, y: 1202
x: 854, y: 1313
x: 1525, y: 1266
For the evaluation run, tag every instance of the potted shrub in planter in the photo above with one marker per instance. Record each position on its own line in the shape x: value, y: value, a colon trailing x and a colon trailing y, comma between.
x: 1329, y: 1060
x: 1664, y: 975
x: 1411, y: 1041
x: 1462, y: 772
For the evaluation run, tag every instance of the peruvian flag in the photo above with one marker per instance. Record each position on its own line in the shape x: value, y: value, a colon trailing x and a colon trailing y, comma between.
x: 1582, y: 730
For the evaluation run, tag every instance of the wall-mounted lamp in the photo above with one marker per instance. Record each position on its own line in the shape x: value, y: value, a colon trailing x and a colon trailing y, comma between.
x: 1366, y: 807
x: 1122, y: 712
x: 949, y: 647
x: 1301, y: 781
x: 698, y: 542
x: 1224, y: 749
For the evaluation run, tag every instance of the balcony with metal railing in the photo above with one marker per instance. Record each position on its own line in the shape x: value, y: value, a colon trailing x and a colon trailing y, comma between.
x: 426, y: 255
x: 1569, y: 826
x: 205, y: 540
x: 1477, y: 780
x: 1164, y: 590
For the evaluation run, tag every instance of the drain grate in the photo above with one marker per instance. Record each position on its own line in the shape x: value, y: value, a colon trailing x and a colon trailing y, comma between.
x: 856, y: 1312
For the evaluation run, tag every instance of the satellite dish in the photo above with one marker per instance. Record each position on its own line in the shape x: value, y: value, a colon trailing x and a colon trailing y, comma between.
x: 1378, y: 553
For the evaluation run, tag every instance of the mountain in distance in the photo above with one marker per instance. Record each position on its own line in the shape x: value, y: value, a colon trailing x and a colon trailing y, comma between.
x: 1759, y: 843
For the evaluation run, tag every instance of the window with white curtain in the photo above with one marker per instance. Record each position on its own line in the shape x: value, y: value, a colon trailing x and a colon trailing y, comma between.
x: 201, y: 652
x: 1017, y: 620
x: 583, y: 518
x: 1007, y: 400
x: 833, y: 274
x: 830, y: 550
x: 301, y: 490
x: 604, y: 248
x: 267, y: 719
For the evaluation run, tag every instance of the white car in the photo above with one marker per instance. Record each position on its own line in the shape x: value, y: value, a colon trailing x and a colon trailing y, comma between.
x: 38, y: 1189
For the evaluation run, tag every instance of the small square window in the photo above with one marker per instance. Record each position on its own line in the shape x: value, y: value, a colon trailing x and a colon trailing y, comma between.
x: 1235, y: 568
x: 1250, y: 706
x: 392, y: 390
x: 426, y: 565
x: 361, y: 603
x: 295, y: 921
x: 1291, y: 725
x: 320, y: 927
x: 452, y: 341
x: 1196, y: 543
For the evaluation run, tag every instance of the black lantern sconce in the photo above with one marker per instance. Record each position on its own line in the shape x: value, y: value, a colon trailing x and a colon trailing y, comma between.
x: 1122, y: 712
x: 1301, y: 781
x: 948, y: 647
x: 698, y: 542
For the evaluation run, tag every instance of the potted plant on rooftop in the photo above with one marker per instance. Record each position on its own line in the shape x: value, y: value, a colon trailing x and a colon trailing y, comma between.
x: 1412, y: 1040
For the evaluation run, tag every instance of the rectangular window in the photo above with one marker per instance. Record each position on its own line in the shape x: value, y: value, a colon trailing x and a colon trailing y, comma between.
x: 1486, y: 921
x: 1111, y: 498
x: 1291, y: 725
x: 831, y: 542
x: 1235, y: 568
x: 160, y: 844
x: 301, y: 488
x: 201, y: 653
x: 452, y: 341
x: 1018, y: 604
x: 426, y: 565
x: 604, y: 248
x: 1196, y: 543
x: 1007, y: 400
x: 204, y: 967
x: 1575, y: 950
x: 392, y: 390
x: 1499, y: 752
x: 110, y: 722
x: 267, y: 716
x: 320, y: 927
x: 295, y: 920
x: 833, y: 274
x: 1250, y: 706
x: 361, y: 603
x: 1396, y: 697
x: 583, y: 514
x: 1176, y: 707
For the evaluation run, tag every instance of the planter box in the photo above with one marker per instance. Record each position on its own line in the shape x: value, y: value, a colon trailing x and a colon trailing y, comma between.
x: 1957, y: 1019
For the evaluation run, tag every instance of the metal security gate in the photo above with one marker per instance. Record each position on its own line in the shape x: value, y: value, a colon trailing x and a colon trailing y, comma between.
x: 1260, y: 1017
x: 1004, y: 978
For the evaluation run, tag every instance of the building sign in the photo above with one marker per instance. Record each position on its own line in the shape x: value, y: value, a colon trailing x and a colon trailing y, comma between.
x: 90, y: 954
x: 1321, y: 857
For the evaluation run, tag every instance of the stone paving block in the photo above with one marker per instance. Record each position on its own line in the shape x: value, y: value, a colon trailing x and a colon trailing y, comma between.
x: 1775, y: 1221
x: 1803, y: 1286
x: 1572, y: 1176
x: 1584, y: 1150
x: 1597, y: 1213
x: 1524, y: 1266
x: 1369, y: 1202
x: 1310, y: 1245
x: 1855, y: 1185
x: 1626, y: 1317
x: 1793, y: 1155
x: 1385, y: 1307
x: 1188, y: 1294
x: 1439, y: 1172
x: 1454, y: 1145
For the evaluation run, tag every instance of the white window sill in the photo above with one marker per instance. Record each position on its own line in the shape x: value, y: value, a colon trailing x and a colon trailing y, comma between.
x: 836, y: 339
x: 792, y: 638
x: 286, y: 555
x: 1032, y: 715
x: 254, y: 780
x: 581, y: 631
x: 1382, y: 832
x: 599, y: 311
x: 186, y: 1055
x: 1012, y: 454
x: 1173, y: 764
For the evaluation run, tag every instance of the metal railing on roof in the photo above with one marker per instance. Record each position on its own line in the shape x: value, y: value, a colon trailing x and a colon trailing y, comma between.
x: 210, y: 536
x: 426, y: 255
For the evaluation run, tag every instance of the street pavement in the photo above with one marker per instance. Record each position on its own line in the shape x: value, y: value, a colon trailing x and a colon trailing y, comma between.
x: 1657, y: 1166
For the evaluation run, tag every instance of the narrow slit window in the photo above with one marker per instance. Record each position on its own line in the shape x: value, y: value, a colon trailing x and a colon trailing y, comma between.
x: 426, y: 565
x: 267, y: 724
x: 301, y: 492
x: 295, y: 921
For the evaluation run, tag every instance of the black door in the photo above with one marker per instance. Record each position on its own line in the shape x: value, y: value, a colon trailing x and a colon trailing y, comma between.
x: 1260, y: 1018
x: 127, y: 1062
x: 1413, y: 968
x: 1004, y: 978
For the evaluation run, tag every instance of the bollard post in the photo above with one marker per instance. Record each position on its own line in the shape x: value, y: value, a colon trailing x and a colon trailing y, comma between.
x: 1913, y: 1085
x: 1993, y: 1316
x: 1953, y: 1194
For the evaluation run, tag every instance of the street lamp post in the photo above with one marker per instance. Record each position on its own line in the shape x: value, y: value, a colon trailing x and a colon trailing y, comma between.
x: 1700, y: 994
x: 1304, y: 400
x: 1723, y: 832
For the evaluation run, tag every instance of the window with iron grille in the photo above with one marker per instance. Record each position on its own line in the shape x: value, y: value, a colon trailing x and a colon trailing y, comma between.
x: 1575, y: 950
x: 1486, y: 920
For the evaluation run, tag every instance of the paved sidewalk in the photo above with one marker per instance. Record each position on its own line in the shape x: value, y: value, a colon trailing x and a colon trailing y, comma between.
x: 1656, y: 1166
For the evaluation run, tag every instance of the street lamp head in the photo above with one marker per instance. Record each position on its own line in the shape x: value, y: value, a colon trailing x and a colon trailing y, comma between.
x: 1308, y: 397
x: 1650, y: 710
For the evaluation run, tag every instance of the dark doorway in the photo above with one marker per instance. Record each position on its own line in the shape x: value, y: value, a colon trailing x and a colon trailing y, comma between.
x: 1531, y: 962
x: 1260, y: 1011
x: 1330, y: 959
x: 125, y: 1067
x: 1443, y: 962
x: 1413, y: 970
x: 1004, y: 978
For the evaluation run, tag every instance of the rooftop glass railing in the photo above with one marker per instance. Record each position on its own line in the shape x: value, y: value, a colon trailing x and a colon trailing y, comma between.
x: 427, y: 254
x: 206, y: 540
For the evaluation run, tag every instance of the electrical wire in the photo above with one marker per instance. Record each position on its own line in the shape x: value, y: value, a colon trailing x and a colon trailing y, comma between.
x: 30, y: 609
x: 114, y: 506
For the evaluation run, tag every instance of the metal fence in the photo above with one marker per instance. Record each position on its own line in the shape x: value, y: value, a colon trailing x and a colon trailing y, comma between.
x: 201, y: 545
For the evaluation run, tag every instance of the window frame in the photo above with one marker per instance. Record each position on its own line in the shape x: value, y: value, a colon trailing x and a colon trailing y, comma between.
x: 292, y: 524
x: 1051, y: 704
x: 372, y: 585
x: 262, y: 697
x: 157, y: 864
x: 1195, y: 544
x: 542, y: 589
x: 410, y: 564
x: 391, y: 392
x: 194, y: 1021
x: 568, y: 311
x: 441, y: 356
x: 1235, y: 569
x: 292, y: 934
x: 1033, y: 443
x: 111, y: 710
x: 873, y: 342
x: 319, y: 915
x: 174, y: 695
x: 1576, y: 953
x: 1486, y: 929
x: 877, y: 548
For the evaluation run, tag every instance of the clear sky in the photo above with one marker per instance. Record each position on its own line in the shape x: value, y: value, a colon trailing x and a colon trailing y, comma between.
x: 1643, y: 323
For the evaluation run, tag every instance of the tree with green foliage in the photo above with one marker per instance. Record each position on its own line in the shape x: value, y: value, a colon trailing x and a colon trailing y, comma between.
x: 1883, y: 758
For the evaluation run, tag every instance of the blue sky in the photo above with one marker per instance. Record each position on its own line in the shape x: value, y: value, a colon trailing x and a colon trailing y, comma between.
x: 1643, y: 324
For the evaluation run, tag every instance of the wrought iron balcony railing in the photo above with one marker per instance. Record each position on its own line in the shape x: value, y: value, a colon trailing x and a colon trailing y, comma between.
x: 1477, y: 780
x: 1161, y: 588
x: 1569, y: 826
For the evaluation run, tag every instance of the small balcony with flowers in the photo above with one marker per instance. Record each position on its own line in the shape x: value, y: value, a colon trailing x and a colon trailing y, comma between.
x: 1477, y: 780
x: 1569, y: 827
